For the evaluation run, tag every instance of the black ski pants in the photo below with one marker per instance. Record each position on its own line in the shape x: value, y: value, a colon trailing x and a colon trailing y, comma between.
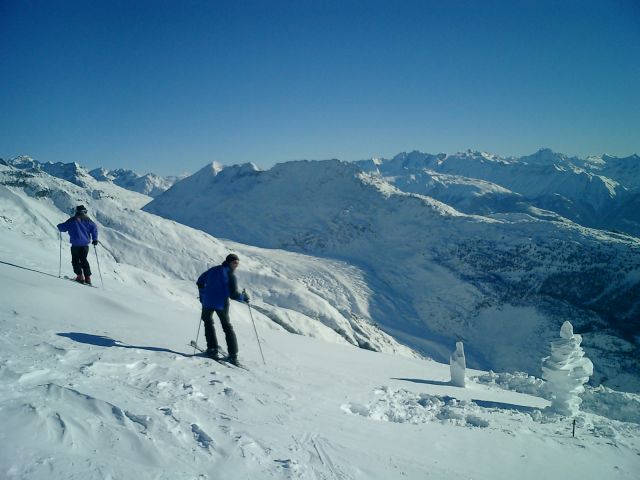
x: 210, y: 331
x: 79, y: 261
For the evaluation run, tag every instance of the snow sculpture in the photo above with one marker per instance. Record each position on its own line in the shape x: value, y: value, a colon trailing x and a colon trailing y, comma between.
x: 566, y: 371
x: 458, y: 365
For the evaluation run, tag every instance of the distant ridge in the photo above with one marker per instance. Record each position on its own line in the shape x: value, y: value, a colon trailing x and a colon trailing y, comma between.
x: 509, y: 269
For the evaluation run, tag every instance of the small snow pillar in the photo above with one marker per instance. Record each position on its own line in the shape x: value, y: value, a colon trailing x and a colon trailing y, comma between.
x: 566, y: 371
x: 458, y: 366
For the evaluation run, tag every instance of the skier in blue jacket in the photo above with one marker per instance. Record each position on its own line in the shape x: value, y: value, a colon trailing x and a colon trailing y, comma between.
x: 82, y: 231
x: 216, y: 286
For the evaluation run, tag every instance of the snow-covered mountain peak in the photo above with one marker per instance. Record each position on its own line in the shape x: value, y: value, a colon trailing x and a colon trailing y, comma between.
x: 331, y: 309
x: 412, y: 160
x: 23, y: 162
x: 631, y: 158
x: 101, y: 174
x: 206, y: 173
x: 110, y: 389
x: 412, y: 202
x: 435, y: 267
x: 477, y: 155
x: 212, y: 174
x: 544, y: 156
x: 217, y: 172
x: 104, y: 380
x: 308, y: 170
x: 72, y: 172
x: 235, y: 171
x: 149, y: 184
x: 601, y: 192
x: 216, y: 167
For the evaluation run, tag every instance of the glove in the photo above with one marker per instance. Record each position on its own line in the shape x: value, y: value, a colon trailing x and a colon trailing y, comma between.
x: 95, y: 242
x: 246, y: 297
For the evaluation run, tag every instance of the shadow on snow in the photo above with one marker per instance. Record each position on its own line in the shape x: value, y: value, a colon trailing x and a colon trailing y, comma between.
x: 481, y: 403
x: 102, y: 341
x: 428, y: 382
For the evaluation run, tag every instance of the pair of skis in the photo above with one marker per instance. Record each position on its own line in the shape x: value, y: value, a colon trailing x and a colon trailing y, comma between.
x: 222, y: 360
x: 79, y: 283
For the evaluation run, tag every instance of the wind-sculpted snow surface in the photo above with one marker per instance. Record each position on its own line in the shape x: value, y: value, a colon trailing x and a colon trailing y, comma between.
x: 403, y: 406
x: 502, y: 282
x: 407, y: 407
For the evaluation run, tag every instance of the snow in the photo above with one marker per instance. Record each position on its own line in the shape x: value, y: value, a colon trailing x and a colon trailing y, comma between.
x: 566, y: 370
x: 331, y: 295
x: 105, y: 382
x: 99, y: 383
x: 148, y: 184
x: 597, y: 191
x: 434, y: 275
x: 457, y: 366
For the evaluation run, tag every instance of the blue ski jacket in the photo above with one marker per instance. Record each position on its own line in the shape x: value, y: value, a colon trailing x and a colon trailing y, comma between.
x: 216, y: 286
x: 81, y: 230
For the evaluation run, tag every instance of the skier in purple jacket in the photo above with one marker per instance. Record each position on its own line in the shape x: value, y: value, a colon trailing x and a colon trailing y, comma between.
x: 216, y: 286
x: 82, y: 231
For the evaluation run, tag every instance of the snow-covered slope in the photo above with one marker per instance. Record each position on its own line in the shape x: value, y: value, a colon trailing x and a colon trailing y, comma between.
x: 306, y: 295
x: 98, y: 383
x: 503, y: 283
x: 595, y: 192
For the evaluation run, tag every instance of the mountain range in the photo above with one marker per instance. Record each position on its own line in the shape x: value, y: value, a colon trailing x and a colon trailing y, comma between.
x: 598, y: 192
x: 147, y: 184
x: 496, y: 252
x: 101, y: 383
x: 302, y: 294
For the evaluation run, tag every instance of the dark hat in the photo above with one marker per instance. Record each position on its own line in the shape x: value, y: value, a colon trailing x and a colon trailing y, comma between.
x: 232, y: 257
x: 81, y: 209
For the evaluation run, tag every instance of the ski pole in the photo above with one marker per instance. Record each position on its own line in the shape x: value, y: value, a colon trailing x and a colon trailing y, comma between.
x: 255, y: 329
x: 60, y: 262
x: 197, y: 335
x: 98, y: 262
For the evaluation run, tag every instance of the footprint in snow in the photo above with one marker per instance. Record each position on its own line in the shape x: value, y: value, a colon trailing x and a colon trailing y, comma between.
x: 204, y: 440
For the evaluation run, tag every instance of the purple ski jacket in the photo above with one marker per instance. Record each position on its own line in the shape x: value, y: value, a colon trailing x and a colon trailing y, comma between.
x: 81, y: 230
x: 216, y: 286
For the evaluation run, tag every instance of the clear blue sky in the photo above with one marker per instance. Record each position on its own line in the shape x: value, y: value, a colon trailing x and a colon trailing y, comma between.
x: 168, y: 86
